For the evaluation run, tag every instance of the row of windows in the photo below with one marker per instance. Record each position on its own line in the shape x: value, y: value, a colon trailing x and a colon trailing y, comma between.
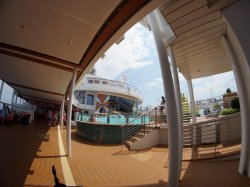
x: 116, y: 103
x: 9, y: 95
x: 97, y: 82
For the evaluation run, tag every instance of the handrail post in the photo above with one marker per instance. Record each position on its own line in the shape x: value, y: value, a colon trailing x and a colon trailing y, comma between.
x: 108, y: 117
x: 121, y: 138
x: 156, y: 117
x: 215, y: 143
x: 144, y: 130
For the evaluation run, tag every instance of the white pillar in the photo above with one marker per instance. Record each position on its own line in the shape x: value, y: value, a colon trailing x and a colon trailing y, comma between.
x: 191, y: 98
x: 245, y: 120
x: 61, y: 113
x: 1, y: 90
x: 173, y: 126
x: 177, y: 93
x: 69, y: 112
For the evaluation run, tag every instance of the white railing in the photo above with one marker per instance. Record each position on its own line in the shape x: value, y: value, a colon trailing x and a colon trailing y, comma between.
x: 105, y: 85
x: 212, y: 138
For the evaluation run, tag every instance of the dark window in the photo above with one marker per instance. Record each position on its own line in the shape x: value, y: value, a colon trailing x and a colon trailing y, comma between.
x: 90, y: 99
x: 90, y: 81
x: 104, y: 82
x: 97, y: 81
x: 120, y: 104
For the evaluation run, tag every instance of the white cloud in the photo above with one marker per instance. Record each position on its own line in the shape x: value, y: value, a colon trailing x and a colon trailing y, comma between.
x: 156, y: 83
x: 203, y: 87
x: 131, y: 53
x: 213, y: 86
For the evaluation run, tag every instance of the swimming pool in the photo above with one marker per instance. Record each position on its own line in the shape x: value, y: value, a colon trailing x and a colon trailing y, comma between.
x: 113, y: 119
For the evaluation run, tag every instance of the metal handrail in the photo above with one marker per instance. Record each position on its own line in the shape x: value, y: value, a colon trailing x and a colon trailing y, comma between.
x: 140, y: 116
x: 213, y: 120
x: 208, y: 139
x: 131, y: 128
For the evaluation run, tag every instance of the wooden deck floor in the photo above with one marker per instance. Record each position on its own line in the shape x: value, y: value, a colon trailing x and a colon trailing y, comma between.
x: 28, y: 152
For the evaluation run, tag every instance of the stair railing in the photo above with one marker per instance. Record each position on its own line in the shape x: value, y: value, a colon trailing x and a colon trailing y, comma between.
x: 149, y: 118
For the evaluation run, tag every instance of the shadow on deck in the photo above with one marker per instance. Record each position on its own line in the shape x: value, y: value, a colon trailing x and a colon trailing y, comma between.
x: 25, y: 160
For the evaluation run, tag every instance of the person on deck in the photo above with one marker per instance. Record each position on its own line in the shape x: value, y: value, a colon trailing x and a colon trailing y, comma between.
x: 162, y: 105
x: 64, y: 118
x: 49, y: 117
x: 55, y: 119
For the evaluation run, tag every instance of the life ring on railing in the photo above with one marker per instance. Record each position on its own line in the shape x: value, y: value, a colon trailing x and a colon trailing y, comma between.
x: 98, y: 135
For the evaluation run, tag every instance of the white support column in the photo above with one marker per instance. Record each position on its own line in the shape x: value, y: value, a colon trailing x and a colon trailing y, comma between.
x: 245, y: 119
x: 69, y: 112
x: 173, y: 125
x: 193, y: 115
x: 61, y: 113
x: 1, y: 90
x: 191, y: 98
x: 177, y: 93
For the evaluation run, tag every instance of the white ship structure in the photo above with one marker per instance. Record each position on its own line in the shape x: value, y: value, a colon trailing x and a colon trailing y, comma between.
x: 95, y: 94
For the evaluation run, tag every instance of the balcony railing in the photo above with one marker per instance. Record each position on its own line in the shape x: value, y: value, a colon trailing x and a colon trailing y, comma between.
x: 212, y: 138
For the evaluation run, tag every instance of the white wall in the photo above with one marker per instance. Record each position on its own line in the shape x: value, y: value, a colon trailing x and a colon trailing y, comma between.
x: 147, y: 141
x: 238, y: 33
x: 163, y: 135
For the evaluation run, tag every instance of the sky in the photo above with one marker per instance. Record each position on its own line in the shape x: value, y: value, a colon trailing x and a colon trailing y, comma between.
x: 136, y: 57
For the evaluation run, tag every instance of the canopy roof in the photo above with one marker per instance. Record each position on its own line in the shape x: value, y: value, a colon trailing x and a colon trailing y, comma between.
x: 41, y: 42
x: 198, y: 26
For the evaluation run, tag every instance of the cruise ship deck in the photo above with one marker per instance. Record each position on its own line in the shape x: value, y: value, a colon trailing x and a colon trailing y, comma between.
x: 47, y: 47
x: 28, y: 153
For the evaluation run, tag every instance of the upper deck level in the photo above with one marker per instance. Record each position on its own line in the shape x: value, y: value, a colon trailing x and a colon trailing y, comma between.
x: 96, y: 84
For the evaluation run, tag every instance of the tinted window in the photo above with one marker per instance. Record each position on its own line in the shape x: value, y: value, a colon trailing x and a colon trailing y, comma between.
x: 90, y: 99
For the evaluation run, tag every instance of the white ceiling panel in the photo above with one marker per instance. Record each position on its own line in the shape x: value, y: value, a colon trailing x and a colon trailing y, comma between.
x: 66, y: 36
x: 33, y: 75
x: 198, y: 28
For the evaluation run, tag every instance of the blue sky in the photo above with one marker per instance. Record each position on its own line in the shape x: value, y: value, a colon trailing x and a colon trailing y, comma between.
x: 136, y: 57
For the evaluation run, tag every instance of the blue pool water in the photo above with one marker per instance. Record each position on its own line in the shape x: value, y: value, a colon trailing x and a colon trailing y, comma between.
x: 114, y: 119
